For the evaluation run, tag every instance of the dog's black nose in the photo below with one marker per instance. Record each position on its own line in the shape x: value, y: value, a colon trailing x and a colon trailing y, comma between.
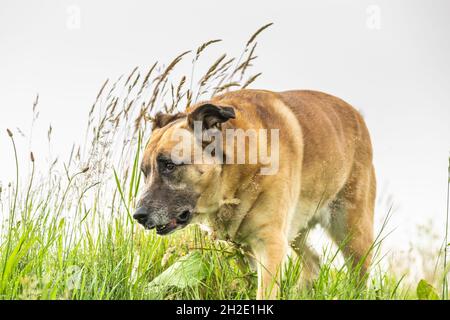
x: 141, y: 215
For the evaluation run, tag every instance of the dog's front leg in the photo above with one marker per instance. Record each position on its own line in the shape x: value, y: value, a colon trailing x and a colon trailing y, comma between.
x: 270, y: 251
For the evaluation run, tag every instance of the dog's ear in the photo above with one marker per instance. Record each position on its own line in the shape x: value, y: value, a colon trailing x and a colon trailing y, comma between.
x: 210, y: 115
x: 163, y: 119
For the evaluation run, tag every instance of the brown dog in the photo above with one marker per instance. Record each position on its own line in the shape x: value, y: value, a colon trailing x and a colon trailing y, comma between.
x: 324, y: 174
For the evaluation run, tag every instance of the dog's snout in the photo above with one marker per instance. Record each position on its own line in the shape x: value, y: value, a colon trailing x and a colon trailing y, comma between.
x: 141, y: 215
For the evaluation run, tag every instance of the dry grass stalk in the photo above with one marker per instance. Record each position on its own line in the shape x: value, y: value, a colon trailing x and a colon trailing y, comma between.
x: 204, y: 46
x: 130, y: 76
x: 253, y: 37
x: 251, y: 80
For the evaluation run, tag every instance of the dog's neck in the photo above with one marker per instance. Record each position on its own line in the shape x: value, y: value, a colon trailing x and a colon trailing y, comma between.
x: 222, y: 209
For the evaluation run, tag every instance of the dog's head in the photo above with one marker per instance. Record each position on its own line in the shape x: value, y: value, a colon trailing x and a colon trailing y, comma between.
x: 174, y: 180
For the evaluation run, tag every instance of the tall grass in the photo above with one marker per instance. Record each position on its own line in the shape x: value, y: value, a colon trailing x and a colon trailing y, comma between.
x: 68, y: 233
x: 446, y: 243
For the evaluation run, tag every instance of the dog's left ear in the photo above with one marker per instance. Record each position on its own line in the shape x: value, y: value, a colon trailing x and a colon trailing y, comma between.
x: 210, y: 115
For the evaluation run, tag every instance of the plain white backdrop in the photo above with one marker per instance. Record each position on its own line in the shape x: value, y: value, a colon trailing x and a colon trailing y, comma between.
x: 390, y: 59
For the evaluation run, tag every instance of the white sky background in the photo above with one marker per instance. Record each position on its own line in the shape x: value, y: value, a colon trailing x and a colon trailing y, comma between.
x: 397, y: 75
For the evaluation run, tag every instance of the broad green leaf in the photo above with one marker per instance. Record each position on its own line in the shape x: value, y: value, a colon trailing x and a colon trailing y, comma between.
x: 188, y: 271
x: 425, y: 291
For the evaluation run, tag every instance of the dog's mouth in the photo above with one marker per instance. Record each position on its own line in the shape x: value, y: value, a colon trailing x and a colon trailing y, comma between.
x: 175, y: 223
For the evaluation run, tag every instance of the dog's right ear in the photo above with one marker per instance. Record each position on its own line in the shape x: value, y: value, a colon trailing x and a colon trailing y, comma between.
x: 210, y: 115
x: 163, y: 119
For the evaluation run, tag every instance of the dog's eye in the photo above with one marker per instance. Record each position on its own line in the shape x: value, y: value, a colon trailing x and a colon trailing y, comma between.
x: 166, y: 165
x: 169, y: 166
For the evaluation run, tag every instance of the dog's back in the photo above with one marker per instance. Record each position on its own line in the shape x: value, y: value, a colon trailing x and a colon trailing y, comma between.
x: 335, y: 141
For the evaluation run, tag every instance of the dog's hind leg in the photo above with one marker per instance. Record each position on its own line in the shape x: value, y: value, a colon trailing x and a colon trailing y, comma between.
x: 351, y: 224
